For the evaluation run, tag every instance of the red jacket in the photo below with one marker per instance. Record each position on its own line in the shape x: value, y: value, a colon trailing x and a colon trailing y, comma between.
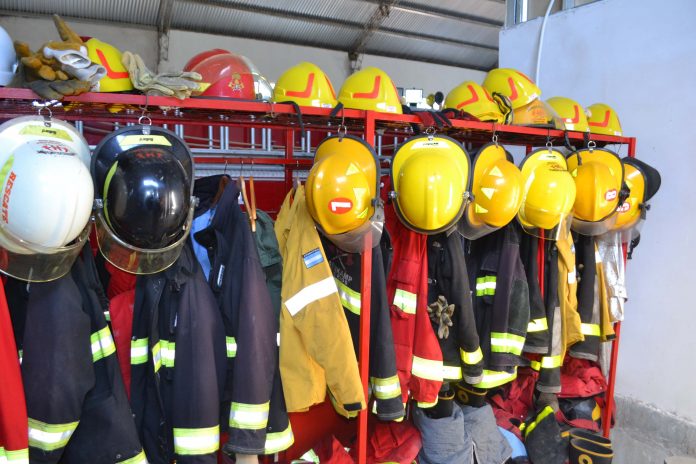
x: 418, y: 356
x: 13, y: 412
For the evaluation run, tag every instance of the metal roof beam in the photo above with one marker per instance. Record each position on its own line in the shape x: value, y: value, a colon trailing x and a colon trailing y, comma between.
x: 380, y: 13
x: 323, y: 20
x: 435, y: 12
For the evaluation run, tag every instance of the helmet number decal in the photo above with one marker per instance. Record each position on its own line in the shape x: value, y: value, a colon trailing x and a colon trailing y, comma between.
x: 610, y: 195
x: 340, y: 205
x: 624, y: 207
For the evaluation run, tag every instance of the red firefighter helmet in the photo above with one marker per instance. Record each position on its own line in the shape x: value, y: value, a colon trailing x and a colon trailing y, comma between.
x: 193, y: 62
x: 232, y: 76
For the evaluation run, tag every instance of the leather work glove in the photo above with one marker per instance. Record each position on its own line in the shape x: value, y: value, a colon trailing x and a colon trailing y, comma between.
x: 441, y: 314
x: 172, y: 84
x: 58, y: 68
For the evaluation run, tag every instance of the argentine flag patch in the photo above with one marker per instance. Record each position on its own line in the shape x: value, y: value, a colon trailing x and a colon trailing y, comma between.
x: 312, y: 258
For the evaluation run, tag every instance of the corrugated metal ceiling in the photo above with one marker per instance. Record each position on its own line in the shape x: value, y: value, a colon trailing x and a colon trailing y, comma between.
x: 454, y: 32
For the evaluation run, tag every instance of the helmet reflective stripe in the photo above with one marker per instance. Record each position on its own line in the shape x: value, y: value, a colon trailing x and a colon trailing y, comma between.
x: 304, y: 93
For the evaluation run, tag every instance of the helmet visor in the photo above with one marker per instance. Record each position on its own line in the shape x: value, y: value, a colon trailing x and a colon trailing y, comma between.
x: 558, y: 232
x: 136, y: 260
x: 594, y: 227
x: 472, y: 228
x: 354, y: 240
x: 34, y: 263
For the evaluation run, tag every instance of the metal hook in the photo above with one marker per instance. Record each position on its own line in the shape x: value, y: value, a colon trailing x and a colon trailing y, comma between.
x: 495, y: 134
x: 341, y: 132
x: 430, y: 132
x: 591, y: 145
x: 145, y: 117
x: 47, y: 118
x: 272, y: 112
x: 549, y: 143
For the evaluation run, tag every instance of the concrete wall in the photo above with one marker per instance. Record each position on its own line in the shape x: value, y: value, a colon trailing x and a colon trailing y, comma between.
x: 638, y: 56
x: 270, y: 58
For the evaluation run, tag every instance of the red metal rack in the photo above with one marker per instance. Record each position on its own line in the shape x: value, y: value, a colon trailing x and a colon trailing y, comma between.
x: 96, y: 113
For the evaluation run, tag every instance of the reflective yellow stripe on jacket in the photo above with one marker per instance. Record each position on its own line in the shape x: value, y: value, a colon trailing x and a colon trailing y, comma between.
x: 471, y: 358
x: 495, y: 378
x: 485, y: 285
x: 537, y: 325
x: 189, y: 442
x: 249, y: 416
x: 50, y: 437
x: 231, y: 343
x: 14, y: 456
x: 506, y: 343
x: 279, y: 441
x: 405, y: 301
x: 102, y: 344
x: 137, y: 459
x: 385, y: 389
x: 350, y: 299
x: 138, y: 351
x: 427, y: 369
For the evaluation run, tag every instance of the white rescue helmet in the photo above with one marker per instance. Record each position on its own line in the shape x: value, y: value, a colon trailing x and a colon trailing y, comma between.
x: 47, y: 196
x: 8, y: 58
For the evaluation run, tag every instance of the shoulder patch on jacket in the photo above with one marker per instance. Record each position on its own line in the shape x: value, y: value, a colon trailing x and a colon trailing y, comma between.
x: 312, y: 258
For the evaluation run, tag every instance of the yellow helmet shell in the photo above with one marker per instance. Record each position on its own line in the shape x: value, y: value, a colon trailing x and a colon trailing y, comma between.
x: 370, y: 89
x: 570, y: 111
x: 537, y: 114
x: 305, y: 84
x: 117, y: 78
x: 629, y: 213
x: 519, y: 88
x: 549, y: 190
x: 497, y: 187
x: 430, y: 177
x: 341, y: 187
x: 475, y: 100
x: 602, y: 119
x: 598, y: 176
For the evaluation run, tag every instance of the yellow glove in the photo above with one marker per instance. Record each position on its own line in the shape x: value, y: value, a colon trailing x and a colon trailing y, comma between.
x: 172, y: 84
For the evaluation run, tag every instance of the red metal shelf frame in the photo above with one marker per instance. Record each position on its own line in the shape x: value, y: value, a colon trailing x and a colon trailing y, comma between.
x: 95, y: 108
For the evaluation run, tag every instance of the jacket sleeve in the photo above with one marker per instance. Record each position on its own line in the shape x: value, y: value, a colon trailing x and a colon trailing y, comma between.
x: 383, y: 378
x: 255, y: 356
x: 470, y: 352
x: 589, y: 314
x: 311, y: 306
x: 510, y: 304
x: 13, y: 412
x: 56, y: 367
x: 418, y: 355
x: 550, y: 366
x: 567, y: 293
x: 198, y: 368
x: 605, y: 323
x: 538, y: 338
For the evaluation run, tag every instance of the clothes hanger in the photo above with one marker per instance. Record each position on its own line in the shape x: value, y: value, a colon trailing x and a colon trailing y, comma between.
x: 224, y: 180
x: 251, y: 207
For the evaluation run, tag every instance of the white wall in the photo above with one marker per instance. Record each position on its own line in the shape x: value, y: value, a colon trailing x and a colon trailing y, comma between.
x: 270, y: 58
x: 274, y: 58
x: 639, y: 57
x: 38, y: 30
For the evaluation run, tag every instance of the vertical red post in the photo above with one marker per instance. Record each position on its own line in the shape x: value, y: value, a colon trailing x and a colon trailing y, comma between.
x: 365, y: 298
x: 611, y: 381
x: 289, y: 155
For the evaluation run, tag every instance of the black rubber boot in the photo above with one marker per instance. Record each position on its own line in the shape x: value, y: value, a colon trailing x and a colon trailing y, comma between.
x: 587, y: 452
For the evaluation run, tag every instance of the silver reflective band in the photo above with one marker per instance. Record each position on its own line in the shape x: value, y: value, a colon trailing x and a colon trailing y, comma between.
x: 427, y: 369
x: 350, y: 299
x: 310, y: 294
x: 279, y: 441
x: 231, y: 343
x: 138, y: 351
x: 102, y: 344
x: 249, y: 416
x: 49, y: 437
x: 405, y: 301
x: 14, y: 456
x: 196, y: 441
x: 451, y: 372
